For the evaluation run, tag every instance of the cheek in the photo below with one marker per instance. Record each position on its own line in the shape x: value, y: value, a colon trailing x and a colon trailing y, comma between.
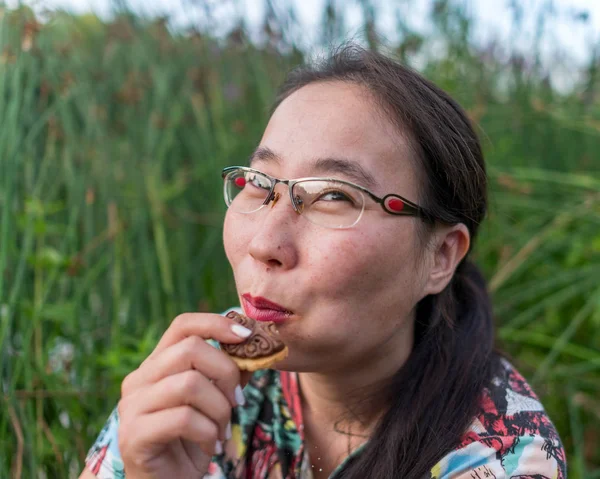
x: 363, y: 263
x: 233, y: 237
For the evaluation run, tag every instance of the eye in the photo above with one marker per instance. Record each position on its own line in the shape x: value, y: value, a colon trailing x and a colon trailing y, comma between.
x: 258, y: 182
x: 335, y: 195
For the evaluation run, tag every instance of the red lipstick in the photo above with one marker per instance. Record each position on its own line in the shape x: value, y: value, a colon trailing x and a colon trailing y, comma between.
x: 261, y: 309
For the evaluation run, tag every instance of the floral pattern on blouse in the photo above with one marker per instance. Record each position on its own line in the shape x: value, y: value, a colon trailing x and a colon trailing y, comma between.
x: 511, y: 437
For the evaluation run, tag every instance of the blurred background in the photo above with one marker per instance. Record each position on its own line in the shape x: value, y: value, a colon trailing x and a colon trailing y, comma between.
x: 116, y: 118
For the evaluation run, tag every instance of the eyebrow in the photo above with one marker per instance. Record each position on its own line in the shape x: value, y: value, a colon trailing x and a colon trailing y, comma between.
x: 344, y: 166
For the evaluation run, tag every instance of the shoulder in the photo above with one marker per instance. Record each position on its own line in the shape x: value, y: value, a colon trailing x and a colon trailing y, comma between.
x: 104, y: 457
x: 511, y: 436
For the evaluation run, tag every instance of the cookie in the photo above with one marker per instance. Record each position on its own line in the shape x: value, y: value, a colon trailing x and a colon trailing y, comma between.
x: 261, y: 350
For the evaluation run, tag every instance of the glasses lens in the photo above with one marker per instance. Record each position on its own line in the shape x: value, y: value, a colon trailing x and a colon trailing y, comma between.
x: 246, y: 191
x: 329, y: 203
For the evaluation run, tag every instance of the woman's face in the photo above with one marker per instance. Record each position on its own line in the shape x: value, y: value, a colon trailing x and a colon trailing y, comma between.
x: 351, y: 291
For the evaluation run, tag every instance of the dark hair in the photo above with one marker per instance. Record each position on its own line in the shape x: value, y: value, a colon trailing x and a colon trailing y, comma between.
x: 434, y: 396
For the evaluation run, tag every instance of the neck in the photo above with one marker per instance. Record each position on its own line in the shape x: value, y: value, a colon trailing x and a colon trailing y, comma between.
x: 351, y: 399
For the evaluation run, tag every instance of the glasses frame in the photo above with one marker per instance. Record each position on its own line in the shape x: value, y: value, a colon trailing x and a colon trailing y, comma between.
x: 409, y: 208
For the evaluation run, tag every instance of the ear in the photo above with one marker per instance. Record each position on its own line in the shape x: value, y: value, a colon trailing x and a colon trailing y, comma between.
x: 451, y: 244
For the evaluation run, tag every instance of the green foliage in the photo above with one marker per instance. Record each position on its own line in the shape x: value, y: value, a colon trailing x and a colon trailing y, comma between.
x: 112, y: 137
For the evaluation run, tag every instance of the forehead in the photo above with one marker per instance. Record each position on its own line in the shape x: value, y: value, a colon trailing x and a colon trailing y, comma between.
x: 337, y: 121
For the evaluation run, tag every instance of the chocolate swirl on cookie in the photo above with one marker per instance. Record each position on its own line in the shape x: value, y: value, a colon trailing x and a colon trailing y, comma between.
x: 263, y: 341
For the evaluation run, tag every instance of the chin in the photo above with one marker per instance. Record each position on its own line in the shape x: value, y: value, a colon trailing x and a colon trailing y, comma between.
x: 287, y: 364
x: 294, y: 364
x: 297, y: 365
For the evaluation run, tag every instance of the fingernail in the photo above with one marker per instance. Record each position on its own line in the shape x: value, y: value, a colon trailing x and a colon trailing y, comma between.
x: 239, y: 396
x: 240, y: 331
x: 228, y: 431
x: 218, y: 448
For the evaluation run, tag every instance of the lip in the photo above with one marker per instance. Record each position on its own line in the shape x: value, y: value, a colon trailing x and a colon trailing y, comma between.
x: 261, y: 309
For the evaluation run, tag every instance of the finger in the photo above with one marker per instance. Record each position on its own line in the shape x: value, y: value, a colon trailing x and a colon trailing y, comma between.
x: 162, y: 427
x: 204, y: 325
x: 189, y: 388
x: 191, y: 353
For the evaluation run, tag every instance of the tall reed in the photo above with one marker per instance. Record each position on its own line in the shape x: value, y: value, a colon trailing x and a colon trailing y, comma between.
x: 112, y: 136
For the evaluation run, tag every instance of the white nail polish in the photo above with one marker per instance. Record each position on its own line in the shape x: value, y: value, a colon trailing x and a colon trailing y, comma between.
x: 218, y: 448
x: 228, y: 431
x: 240, y: 331
x: 239, y: 396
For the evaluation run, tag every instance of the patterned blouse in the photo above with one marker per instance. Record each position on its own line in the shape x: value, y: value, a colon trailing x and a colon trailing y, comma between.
x: 511, y: 437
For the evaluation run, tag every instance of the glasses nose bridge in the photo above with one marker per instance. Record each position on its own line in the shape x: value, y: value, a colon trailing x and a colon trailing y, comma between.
x: 274, y: 196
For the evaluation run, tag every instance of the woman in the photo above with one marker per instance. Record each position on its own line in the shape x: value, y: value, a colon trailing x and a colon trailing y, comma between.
x: 391, y: 371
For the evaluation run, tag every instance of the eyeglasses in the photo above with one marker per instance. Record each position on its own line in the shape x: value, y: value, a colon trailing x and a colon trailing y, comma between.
x: 323, y: 201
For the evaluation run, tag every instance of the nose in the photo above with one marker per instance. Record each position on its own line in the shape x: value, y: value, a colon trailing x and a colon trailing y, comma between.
x: 275, y: 242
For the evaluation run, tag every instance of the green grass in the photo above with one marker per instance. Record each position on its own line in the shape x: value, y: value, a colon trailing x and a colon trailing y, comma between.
x: 111, y: 141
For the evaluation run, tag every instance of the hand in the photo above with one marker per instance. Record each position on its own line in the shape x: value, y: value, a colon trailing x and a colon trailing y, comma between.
x: 175, y: 408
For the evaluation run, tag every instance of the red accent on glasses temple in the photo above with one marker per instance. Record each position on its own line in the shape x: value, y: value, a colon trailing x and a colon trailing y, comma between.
x: 240, y: 182
x: 395, y: 204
